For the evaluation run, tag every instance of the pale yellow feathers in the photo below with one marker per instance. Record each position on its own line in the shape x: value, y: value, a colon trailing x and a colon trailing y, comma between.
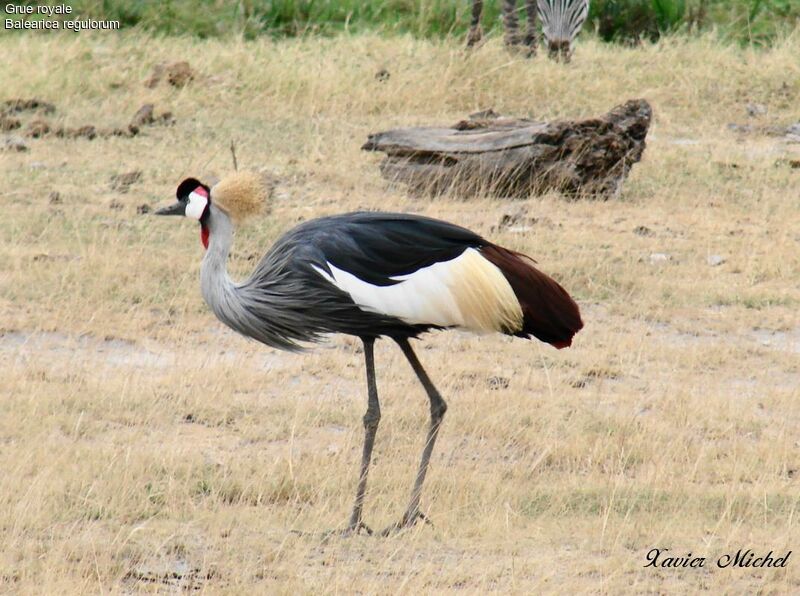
x: 242, y: 194
x: 485, y: 298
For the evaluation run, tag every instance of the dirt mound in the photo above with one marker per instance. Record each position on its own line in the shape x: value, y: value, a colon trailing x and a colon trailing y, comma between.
x: 122, y: 182
x: 145, y: 116
x: 11, y: 106
x: 39, y: 127
x: 7, y: 124
x: 178, y: 74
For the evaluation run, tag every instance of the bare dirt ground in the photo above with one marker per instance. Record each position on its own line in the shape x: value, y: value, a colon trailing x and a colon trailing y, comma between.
x: 144, y: 447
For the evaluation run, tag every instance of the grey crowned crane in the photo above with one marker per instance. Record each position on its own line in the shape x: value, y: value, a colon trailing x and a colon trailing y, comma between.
x: 370, y: 275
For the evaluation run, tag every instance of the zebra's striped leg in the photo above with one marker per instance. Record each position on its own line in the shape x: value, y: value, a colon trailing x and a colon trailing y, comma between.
x: 475, y: 33
x: 566, y: 52
x: 531, y: 39
x: 511, y: 23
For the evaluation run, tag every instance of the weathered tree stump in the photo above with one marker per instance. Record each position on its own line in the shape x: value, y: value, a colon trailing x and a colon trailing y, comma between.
x: 510, y: 157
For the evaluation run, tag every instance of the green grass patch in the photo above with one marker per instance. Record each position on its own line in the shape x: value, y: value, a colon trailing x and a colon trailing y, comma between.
x: 746, y: 21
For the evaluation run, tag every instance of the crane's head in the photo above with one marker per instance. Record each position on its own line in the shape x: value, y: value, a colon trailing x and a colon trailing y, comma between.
x: 239, y: 196
x: 193, y: 200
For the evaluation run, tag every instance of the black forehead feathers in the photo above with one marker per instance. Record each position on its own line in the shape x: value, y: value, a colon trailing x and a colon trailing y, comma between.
x: 187, y: 186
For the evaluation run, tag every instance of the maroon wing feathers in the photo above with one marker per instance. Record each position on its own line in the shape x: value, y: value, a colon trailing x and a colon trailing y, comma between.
x: 550, y: 314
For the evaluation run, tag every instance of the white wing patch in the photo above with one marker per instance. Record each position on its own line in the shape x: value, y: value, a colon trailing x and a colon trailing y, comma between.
x: 467, y: 291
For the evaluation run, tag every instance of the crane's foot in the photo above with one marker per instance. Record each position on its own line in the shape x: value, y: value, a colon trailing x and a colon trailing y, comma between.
x: 409, y: 519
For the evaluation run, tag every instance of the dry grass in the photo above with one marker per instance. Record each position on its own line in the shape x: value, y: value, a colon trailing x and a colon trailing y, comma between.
x: 144, y: 447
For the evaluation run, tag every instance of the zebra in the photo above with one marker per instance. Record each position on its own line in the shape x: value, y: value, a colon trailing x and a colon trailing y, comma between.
x: 561, y: 22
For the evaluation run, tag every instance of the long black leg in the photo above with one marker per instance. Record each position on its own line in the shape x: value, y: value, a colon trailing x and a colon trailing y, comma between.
x: 438, y: 409
x: 371, y: 419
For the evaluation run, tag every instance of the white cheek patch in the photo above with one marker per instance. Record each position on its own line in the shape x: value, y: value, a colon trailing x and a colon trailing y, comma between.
x: 196, y: 206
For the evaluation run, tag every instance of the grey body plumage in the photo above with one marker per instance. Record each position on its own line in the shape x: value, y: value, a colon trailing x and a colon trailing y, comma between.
x: 285, y: 302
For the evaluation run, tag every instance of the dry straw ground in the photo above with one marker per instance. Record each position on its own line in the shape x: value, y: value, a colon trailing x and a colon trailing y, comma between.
x: 145, y: 447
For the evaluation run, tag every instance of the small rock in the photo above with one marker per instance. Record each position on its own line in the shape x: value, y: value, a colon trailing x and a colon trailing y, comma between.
x: 497, y: 383
x: 143, y: 209
x: 756, y: 109
x: 13, y: 143
x: 54, y: 198
x: 715, y: 260
x: 143, y: 116
x: 643, y: 231
x: 122, y: 182
x: 179, y: 74
x: 382, y: 75
x: 660, y: 257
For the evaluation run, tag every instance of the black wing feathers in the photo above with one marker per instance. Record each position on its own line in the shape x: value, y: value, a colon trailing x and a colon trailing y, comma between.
x: 378, y: 246
x: 294, y: 303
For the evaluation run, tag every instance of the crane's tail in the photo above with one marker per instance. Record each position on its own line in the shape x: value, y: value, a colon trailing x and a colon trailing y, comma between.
x: 549, y: 313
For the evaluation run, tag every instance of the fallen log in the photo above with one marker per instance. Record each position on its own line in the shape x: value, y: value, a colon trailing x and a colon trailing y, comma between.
x: 511, y: 157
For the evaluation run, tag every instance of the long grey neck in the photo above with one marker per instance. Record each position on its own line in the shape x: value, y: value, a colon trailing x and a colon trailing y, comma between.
x: 215, y: 283
x: 245, y: 308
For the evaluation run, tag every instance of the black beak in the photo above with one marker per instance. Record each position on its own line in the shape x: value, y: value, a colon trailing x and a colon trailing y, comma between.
x: 178, y: 208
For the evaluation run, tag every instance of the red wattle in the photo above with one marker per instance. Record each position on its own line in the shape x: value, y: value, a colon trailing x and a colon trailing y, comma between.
x: 204, y: 236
